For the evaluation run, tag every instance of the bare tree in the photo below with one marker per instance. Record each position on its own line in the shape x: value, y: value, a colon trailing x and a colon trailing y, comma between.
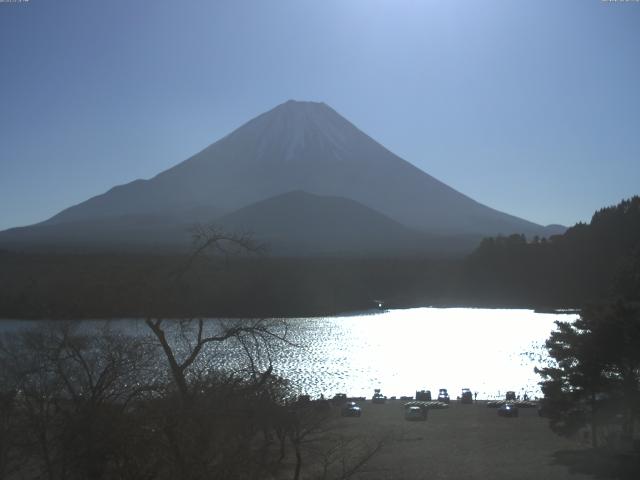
x: 209, y: 241
x: 347, y: 456
x: 258, y: 332
x: 72, y: 396
x: 10, y: 460
x: 98, y: 404
x: 251, y: 400
x: 218, y: 412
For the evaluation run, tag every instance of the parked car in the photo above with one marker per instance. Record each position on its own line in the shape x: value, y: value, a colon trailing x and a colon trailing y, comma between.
x: 415, y: 412
x: 508, y: 410
x: 467, y: 396
x: 378, y: 398
x: 339, y: 398
x: 351, y: 409
x: 423, y: 395
x: 443, y: 395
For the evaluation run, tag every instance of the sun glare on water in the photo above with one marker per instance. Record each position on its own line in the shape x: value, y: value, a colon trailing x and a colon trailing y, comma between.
x: 401, y: 351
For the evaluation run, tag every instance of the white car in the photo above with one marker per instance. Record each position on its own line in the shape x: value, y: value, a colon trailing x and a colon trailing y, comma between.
x: 351, y: 409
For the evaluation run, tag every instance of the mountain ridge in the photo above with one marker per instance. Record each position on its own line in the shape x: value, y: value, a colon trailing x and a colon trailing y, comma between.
x: 299, y: 222
x: 300, y: 146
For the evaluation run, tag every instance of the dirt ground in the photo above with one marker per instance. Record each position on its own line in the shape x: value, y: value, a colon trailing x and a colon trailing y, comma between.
x: 461, y: 442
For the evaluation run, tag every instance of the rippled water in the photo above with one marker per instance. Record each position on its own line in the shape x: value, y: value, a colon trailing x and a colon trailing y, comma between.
x: 399, y: 351
x: 489, y: 351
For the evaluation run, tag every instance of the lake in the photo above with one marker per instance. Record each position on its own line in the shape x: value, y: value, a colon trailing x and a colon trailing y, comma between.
x: 489, y: 351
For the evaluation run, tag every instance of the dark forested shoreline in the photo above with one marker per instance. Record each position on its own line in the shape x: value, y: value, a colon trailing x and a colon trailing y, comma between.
x: 34, y: 286
x: 589, y: 263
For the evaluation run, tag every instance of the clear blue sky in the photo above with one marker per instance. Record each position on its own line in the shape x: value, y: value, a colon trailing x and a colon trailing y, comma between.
x: 531, y: 107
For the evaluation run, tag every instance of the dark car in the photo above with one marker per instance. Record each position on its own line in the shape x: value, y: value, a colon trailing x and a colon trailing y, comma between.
x: 467, y: 396
x: 443, y: 395
x: 511, y: 396
x: 508, y: 410
x: 378, y: 398
x: 351, y: 409
x: 339, y: 398
x: 415, y: 412
x: 423, y: 395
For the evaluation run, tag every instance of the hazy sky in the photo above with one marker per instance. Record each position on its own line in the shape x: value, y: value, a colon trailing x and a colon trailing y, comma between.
x: 531, y: 107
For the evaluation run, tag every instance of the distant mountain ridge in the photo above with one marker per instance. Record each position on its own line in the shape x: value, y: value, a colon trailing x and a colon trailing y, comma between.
x: 295, y: 147
x: 299, y: 222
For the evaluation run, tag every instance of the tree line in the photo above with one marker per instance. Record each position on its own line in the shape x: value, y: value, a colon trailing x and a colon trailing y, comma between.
x: 66, y: 286
x: 591, y: 383
x: 593, y: 378
x: 590, y: 262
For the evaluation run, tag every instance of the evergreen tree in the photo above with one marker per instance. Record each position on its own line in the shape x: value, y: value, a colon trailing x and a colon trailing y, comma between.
x: 595, y: 371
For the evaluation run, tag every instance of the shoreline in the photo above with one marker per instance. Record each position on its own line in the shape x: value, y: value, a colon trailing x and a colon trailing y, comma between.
x: 346, y: 313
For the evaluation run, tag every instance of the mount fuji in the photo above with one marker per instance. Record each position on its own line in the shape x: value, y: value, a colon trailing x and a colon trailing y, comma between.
x: 300, y: 160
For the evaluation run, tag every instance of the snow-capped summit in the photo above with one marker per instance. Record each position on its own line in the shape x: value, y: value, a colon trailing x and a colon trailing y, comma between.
x: 299, y: 127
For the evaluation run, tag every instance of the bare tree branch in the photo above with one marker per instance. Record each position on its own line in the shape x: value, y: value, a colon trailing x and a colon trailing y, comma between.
x: 212, y: 238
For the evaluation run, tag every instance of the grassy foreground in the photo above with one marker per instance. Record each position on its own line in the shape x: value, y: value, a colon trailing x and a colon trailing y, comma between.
x: 461, y: 442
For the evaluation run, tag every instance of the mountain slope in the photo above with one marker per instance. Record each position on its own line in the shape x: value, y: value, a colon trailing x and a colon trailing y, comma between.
x: 299, y: 222
x: 145, y: 232
x: 297, y: 146
x: 303, y: 146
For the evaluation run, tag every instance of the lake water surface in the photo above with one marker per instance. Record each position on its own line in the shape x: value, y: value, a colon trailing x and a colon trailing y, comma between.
x: 487, y: 350
x: 399, y: 351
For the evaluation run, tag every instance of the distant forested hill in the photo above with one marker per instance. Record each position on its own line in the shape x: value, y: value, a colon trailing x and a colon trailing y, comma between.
x: 589, y: 262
